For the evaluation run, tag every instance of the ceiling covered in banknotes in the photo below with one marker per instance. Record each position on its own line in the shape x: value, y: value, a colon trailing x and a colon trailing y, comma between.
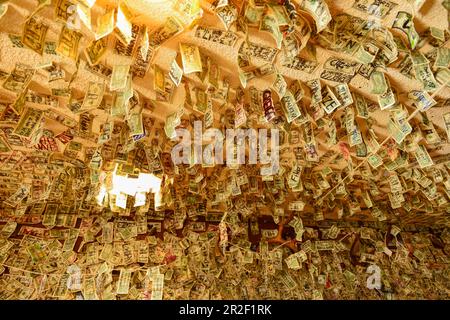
x: 110, y: 111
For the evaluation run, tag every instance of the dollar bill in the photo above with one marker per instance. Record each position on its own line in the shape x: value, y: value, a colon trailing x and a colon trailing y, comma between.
x: 28, y: 122
x: 65, y: 92
x: 56, y: 73
x: 290, y: 106
x: 119, y: 77
x: 279, y: 86
x: 175, y: 73
x: 292, y: 46
x: 19, y: 78
x: 135, y: 122
x: 361, y: 106
x: 443, y: 58
x: 446, y: 117
x: 378, y: 81
x: 387, y: 99
x: 227, y: 15
x: 105, y: 25
x: 19, y: 104
x: 159, y: 79
x: 343, y: 94
x: 4, y: 145
x: 253, y: 15
x: 329, y: 101
x: 33, y: 35
x: 404, y: 22
x: 123, y: 24
x: 226, y: 38
x: 318, y: 9
x: 443, y: 76
x: 190, y: 56
x: 425, y: 75
x: 301, y: 64
x: 316, y: 91
x: 93, y: 97
x: 270, y: 24
x: 336, y: 76
x: 68, y: 43
x: 375, y: 7
x: 422, y: 157
x: 128, y: 50
x: 157, y: 287
x: 341, y: 65
x: 395, y: 132
x: 255, y: 50
x: 169, y: 29
x: 96, y: 50
x: 422, y: 100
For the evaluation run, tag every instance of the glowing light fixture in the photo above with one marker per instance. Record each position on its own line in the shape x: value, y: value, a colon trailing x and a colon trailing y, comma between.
x: 135, y: 187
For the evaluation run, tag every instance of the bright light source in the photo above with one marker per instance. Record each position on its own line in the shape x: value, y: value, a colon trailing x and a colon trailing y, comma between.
x: 144, y: 183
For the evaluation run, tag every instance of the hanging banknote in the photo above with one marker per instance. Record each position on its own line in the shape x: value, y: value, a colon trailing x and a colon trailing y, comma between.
x: 318, y: 9
x: 190, y: 56
x: 119, y: 77
x: 28, y: 122
x: 96, y: 50
x: 68, y: 43
x: 378, y: 8
x: 105, y: 25
x: 33, y: 35
x: 227, y: 14
x: 123, y: 23
x: 404, y: 22
x: 93, y: 97
x: 255, y: 50
x: 175, y: 73
x: 19, y: 78
x: 226, y: 38
x: 269, y: 23
x: 422, y: 157
x: 169, y: 29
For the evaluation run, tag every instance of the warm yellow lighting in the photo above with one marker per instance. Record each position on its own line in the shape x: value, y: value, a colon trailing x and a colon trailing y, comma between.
x: 123, y: 185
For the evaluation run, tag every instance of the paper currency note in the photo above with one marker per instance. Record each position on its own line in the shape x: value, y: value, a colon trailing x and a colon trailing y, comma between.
x: 422, y: 157
x: 270, y: 24
x: 378, y: 81
x: 252, y: 49
x: 159, y: 79
x: 169, y: 29
x: 93, y: 97
x: 301, y: 64
x: 68, y: 43
x: 119, y: 77
x: 19, y: 78
x: 404, y: 22
x: 290, y: 106
x: 190, y: 56
x: 28, y: 122
x: 4, y: 145
x: 447, y: 124
x: 318, y: 9
x: 123, y: 23
x: 375, y: 7
x: 425, y: 75
x: 329, y: 101
x: 227, y: 14
x: 226, y: 38
x: 105, y: 25
x: 175, y: 73
x: 33, y: 35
